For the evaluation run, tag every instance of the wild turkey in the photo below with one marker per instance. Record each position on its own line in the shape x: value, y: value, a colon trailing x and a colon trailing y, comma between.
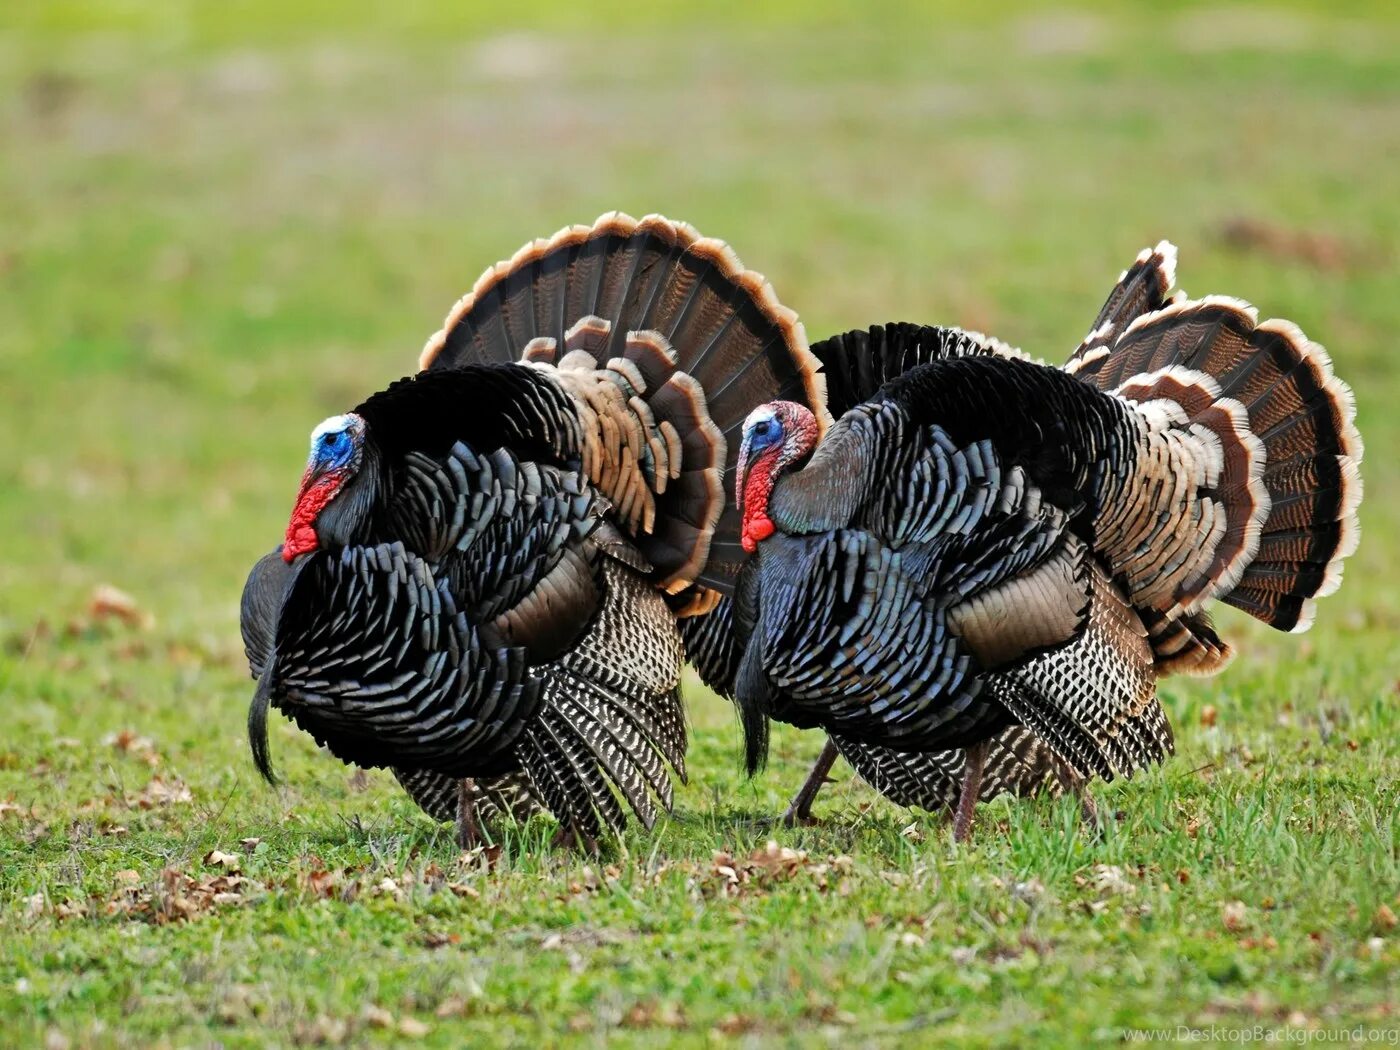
x: 480, y: 579
x: 989, y: 541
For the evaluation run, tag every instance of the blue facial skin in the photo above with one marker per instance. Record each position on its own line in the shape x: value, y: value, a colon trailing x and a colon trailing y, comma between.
x: 333, y: 451
x: 764, y: 433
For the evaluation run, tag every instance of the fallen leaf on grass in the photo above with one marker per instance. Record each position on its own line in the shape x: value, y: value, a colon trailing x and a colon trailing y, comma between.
x: 735, y: 1024
x: 1235, y: 916
x: 481, y: 858
x: 323, y: 1031
x: 378, y: 1017
x: 441, y: 940
x: 823, y: 1012
x: 160, y: 792
x: 228, y: 861
x: 129, y: 742
x: 177, y: 897
x: 322, y: 883
x: 1384, y: 919
x: 108, y: 602
x: 649, y: 1015
x: 762, y: 867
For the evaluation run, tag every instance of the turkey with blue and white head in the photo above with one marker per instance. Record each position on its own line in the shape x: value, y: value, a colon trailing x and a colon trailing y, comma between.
x: 982, y: 546
x: 481, y: 577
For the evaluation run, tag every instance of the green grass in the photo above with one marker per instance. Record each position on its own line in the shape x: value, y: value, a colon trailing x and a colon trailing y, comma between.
x: 224, y: 222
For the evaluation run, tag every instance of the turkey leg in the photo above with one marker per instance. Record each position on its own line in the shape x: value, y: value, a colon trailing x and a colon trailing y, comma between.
x: 971, y: 788
x: 468, y: 829
x: 1073, y: 784
x: 800, y: 810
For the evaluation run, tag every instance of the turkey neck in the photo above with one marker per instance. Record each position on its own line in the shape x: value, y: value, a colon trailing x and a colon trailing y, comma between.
x: 825, y: 493
x: 348, y: 518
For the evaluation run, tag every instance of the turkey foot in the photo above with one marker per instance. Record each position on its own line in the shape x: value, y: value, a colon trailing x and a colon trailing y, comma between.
x: 971, y: 788
x: 799, y: 811
x: 568, y: 837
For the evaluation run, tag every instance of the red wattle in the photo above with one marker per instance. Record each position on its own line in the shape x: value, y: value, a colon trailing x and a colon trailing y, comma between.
x: 301, y: 530
x: 756, y: 530
x: 758, y: 486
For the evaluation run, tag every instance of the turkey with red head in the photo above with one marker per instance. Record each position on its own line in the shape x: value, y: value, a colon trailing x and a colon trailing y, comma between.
x: 480, y: 579
x: 987, y: 542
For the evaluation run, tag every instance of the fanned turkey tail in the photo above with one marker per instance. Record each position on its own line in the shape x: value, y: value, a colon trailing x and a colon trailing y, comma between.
x: 858, y: 363
x: 666, y: 343
x: 1280, y: 428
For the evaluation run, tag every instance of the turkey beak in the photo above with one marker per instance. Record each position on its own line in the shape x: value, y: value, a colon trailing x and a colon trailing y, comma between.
x: 741, y: 472
x: 314, y: 472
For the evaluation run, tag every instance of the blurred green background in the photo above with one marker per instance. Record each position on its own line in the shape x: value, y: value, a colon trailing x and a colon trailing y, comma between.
x: 220, y: 223
x: 224, y: 222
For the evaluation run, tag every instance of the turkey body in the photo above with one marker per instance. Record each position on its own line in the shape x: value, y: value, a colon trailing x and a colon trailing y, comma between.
x: 481, y: 578
x: 981, y: 542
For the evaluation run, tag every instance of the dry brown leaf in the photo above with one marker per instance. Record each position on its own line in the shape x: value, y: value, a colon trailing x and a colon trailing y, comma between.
x: 323, y: 1031
x: 219, y: 859
x: 1235, y: 916
x: 129, y: 742
x: 1384, y: 919
x: 1111, y: 881
x: 160, y: 792
x: 735, y: 1025
x: 108, y: 602
x: 414, y: 1028
x: 1208, y: 715
x: 378, y: 1017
